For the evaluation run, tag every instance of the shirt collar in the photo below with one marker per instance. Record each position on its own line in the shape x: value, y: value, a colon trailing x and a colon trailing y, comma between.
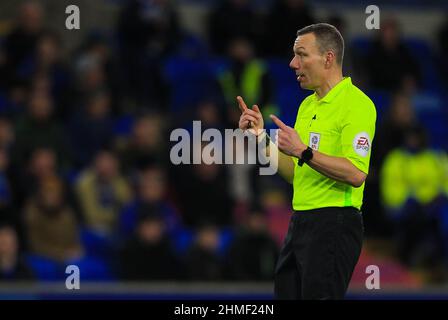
x: 329, y: 97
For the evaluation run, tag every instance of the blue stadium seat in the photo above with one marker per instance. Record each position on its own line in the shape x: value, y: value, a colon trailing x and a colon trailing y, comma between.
x: 281, y: 73
x: 420, y: 48
x: 436, y: 125
x: 432, y: 114
x: 44, y: 269
x: 92, y: 269
x: 123, y: 125
x: 382, y: 101
x: 444, y: 224
x: 192, y: 46
x: 289, y: 98
x: 190, y: 80
x: 361, y: 45
x: 96, y: 244
x: 226, y: 236
x: 182, y: 240
x: 71, y: 176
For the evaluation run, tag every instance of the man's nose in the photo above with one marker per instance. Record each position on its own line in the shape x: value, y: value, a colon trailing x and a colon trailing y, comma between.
x: 294, y: 64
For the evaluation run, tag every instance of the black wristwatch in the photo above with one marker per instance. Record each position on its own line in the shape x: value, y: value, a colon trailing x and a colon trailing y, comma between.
x: 306, y: 156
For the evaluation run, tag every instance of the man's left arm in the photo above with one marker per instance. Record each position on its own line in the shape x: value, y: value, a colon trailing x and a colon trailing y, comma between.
x: 351, y: 169
x: 336, y: 168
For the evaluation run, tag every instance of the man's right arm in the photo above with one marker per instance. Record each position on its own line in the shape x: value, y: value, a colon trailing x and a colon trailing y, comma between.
x: 285, y: 163
x: 252, y: 120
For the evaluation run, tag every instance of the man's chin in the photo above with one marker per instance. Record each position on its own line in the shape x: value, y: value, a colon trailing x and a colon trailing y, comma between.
x: 304, y: 86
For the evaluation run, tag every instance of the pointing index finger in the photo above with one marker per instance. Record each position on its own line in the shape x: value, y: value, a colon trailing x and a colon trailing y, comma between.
x: 279, y: 122
x: 241, y: 103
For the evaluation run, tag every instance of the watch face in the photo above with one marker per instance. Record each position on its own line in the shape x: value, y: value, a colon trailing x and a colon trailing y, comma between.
x: 307, y: 154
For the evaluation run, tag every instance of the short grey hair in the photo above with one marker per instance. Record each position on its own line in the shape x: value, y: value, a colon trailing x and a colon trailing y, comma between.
x: 327, y: 38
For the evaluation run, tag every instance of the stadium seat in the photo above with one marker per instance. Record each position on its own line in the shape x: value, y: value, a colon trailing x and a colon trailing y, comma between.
x: 226, y: 236
x: 432, y: 114
x: 289, y: 98
x: 92, y: 269
x: 382, y: 101
x: 192, y: 46
x: 361, y: 45
x: 190, y: 81
x: 281, y: 73
x: 182, y: 240
x: 420, y: 48
x: 123, y: 125
x: 96, y: 244
x: 436, y: 125
x: 44, y: 269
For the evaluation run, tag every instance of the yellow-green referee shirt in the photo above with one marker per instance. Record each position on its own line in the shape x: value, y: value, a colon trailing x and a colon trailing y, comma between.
x: 341, y: 124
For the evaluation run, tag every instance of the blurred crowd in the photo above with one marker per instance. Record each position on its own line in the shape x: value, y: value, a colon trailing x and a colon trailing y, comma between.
x: 85, y: 172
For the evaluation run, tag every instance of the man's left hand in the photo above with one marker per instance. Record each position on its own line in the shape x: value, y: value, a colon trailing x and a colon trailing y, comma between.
x: 288, y: 140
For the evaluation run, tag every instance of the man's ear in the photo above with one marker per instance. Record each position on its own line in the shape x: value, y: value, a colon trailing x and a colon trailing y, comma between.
x: 329, y: 59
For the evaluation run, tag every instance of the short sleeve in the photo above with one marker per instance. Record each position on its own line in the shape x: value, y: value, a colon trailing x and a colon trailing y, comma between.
x: 357, y: 133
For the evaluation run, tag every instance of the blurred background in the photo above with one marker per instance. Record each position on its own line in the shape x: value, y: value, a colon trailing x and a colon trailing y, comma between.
x: 85, y: 123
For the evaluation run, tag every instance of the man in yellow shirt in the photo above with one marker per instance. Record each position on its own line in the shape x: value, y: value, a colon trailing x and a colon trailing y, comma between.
x: 326, y: 158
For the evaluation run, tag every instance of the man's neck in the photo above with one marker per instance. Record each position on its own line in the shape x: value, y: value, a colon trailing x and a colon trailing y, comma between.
x: 329, y: 84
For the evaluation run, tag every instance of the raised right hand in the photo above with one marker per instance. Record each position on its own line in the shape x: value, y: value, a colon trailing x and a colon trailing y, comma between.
x: 250, y: 119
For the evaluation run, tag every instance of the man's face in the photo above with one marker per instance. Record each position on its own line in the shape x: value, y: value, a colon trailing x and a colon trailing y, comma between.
x: 153, y: 185
x: 308, y: 63
x: 8, y: 241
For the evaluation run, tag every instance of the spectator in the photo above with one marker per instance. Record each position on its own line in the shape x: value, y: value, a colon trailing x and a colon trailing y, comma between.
x: 38, y: 128
x: 412, y: 181
x: 51, y: 227
x: 232, y: 19
x: 7, y: 136
x: 285, y: 17
x: 353, y: 62
x: 6, y: 144
x: 21, y: 42
x: 248, y: 77
x: 91, y: 129
x: 7, y: 192
x: 148, y: 255
x: 203, y: 194
x: 151, y: 197
x: 42, y: 164
x: 389, y: 136
x: 46, y: 67
x: 442, y: 38
x: 390, y: 64
x: 7, y: 201
x: 149, y: 25
x: 148, y: 31
x: 210, y: 115
x: 203, y: 262
x: 12, y: 266
x: 91, y: 78
x: 146, y: 143
x: 98, y: 71
x: 253, y: 253
x: 399, y: 118
x: 102, y: 191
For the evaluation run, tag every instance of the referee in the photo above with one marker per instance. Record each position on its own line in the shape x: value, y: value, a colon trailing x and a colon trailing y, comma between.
x: 326, y: 158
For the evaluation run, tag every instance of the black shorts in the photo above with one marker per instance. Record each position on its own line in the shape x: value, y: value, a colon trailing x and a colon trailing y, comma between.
x: 319, y: 254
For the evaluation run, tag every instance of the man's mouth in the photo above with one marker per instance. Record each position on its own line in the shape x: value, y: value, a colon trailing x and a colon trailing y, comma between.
x: 300, y: 76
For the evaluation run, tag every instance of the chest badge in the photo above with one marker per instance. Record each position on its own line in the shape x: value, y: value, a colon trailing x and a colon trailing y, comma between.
x: 314, y: 140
